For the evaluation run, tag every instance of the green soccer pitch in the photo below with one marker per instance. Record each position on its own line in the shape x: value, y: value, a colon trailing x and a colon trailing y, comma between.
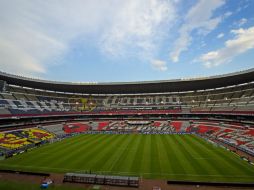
x: 171, y: 157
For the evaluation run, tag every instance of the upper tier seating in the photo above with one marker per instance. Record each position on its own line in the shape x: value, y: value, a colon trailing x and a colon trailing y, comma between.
x: 229, y: 100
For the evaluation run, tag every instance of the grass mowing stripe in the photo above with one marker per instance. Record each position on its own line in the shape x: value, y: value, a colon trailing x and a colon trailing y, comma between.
x: 84, y: 161
x: 228, y: 158
x: 196, y: 167
x: 77, y: 139
x: 52, y: 148
x: 69, y: 160
x: 201, y: 157
x: 155, y: 161
x: 122, y: 154
x: 175, y: 158
x: 145, y: 163
x: 61, y: 157
x: 105, y: 161
x: 51, y: 162
x: 138, y: 156
x: 204, y: 149
x: 36, y: 156
x: 125, y: 164
x: 174, y: 161
x: 183, y: 157
x: 225, y: 170
x: 164, y: 155
x: 64, y: 148
x: 101, y: 156
x: 208, y: 163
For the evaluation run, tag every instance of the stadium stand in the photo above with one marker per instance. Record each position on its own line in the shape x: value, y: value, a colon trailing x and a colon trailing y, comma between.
x: 20, y: 138
x: 102, y: 125
x: 236, y: 99
x: 75, y: 128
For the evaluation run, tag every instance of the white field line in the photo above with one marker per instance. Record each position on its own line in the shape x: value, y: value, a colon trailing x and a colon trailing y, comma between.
x: 39, y: 167
x: 205, y: 158
x: 133, y: 173
x: 44, y: 153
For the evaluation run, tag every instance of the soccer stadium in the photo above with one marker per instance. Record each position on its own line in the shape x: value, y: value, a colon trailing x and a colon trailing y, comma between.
x: 186, y: 131
x: 196, y: 130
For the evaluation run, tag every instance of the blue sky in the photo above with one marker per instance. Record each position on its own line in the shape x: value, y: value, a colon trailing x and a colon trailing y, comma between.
x: 132, y: 40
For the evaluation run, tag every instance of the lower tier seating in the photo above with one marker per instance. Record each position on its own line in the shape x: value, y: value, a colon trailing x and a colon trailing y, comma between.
x: 20, y: 138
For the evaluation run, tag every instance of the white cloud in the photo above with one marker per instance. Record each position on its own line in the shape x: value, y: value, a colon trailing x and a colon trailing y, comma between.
x: 203, y: 44
x: 200, y: 18
x: 228, y: 14
x: 138, y: 25
x: 36, y: 34
x: 242, y: 42
x: 242, y: 21
x: 220, y: 35
x: 242, y: 7
x: 177, y: 1
x: 15, y: 59
x: 159, y: 65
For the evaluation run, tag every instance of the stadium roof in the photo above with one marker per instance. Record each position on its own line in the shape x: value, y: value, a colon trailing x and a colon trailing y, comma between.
x: 161, y: 86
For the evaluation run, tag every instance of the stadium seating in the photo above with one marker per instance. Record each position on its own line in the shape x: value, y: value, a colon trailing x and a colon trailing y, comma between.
x: 236, y: 135
x: 229, y: 100
x: 36, y: 134
x: 102, y: 125
x: 20, y: 138
x: 176, y: 125
x: 75, y: 127
x: 11, y: 141
x: 56, y: 129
